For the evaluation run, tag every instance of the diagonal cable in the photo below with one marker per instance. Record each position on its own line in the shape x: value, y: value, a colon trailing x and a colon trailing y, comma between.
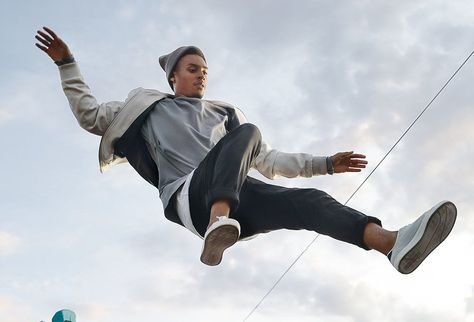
x: 363, y: 182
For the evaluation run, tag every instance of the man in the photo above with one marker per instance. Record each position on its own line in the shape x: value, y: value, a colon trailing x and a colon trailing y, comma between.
x: 198, y: 153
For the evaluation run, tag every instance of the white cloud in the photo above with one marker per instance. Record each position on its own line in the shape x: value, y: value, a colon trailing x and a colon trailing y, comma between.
x: 126, y: 12
x: 5, y: 303
x: 316, y: 77
x: 9, y: 243
x: 93, y: 312
x: 5, y: 115
x: 35, y: 99
x: 470, y: 302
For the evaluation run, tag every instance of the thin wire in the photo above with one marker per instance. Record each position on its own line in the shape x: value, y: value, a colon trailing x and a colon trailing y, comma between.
x: 363, y: 182
x: 281, y: 277
x: 411, y: 125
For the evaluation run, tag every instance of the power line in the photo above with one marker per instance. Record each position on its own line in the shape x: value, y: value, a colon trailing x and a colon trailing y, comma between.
x: 411, y: 125
x: 281, y: 277
x: 363, y: 182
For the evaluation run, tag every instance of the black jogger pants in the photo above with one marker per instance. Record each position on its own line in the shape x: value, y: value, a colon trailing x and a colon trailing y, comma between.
x: 260, y: 207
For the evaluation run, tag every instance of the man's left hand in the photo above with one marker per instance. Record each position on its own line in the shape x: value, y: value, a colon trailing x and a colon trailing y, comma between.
x: 348, y: 162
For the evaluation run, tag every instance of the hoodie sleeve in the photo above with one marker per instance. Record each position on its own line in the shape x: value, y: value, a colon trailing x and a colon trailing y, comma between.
x: 273, y: 163
x: 92, y: 116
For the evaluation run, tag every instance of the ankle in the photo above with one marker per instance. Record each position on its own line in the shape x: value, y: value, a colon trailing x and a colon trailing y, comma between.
x: 220, y: 208
x: 379, y: 239
x: 390, y: 242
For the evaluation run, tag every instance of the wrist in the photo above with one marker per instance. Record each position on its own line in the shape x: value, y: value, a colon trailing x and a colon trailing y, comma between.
x: 65, y: 61
x: 329, y: 166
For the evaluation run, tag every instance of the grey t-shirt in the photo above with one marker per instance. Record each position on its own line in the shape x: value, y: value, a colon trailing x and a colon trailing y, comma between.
x: 179, y: 133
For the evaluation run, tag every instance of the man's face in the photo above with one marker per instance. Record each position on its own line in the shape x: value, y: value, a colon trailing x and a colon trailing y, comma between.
x: 190, y: 76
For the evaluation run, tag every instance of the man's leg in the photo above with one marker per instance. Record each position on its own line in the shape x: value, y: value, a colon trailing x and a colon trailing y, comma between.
x: 265, y: 207
x: 220, y: 184
x: 216, y: 183
x: 215, y: 188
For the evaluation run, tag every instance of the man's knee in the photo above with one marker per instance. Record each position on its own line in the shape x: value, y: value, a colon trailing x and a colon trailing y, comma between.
x: 250, y: 131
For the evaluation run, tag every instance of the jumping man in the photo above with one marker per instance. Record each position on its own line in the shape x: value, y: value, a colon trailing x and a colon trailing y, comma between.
x: 198, y: 153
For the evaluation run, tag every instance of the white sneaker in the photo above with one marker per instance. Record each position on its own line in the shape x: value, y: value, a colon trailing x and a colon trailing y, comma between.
x: 221, y: 235
x: 418, y: 239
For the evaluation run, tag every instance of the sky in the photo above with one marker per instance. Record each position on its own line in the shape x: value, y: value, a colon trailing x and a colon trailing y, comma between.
x: 315, y: 76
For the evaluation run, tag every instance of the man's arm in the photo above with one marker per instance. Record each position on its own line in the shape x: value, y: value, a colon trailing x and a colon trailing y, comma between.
x: 91, y: 116
x: 272, y: 163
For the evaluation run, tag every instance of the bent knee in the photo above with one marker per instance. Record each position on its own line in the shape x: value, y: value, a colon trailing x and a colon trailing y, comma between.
x: 250, y: 130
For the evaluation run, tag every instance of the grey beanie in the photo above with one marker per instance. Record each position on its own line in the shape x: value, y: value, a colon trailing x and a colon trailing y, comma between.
x: 168, y: 62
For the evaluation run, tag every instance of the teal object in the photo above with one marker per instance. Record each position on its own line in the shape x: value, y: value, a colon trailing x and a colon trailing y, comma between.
x: 64, y: 316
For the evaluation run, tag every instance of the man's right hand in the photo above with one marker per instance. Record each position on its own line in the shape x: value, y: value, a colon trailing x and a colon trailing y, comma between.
x: 52, y: 45
x: 348, y: 162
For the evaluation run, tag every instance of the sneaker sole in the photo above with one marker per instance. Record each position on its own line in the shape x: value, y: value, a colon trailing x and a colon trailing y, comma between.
x: 217, y: 242
x: 430, y: 235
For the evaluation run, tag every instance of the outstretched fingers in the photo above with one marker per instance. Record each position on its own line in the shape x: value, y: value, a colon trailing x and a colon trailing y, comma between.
x: 43, y: 41
x: 47, y: 37
x: 52, y: 45
x: 43, y: 48
x: 353, y: 170
x: 348, y: 162
x: 357, y: 156
x: 356, y: 164
x: 51, y: 32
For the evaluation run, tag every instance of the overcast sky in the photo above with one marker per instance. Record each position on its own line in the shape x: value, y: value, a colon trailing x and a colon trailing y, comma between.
x: 316, y: 77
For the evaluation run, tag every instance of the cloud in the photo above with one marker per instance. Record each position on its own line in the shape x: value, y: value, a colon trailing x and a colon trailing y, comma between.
x: 316, y: 77
x: 5, y: 115
x: 331, y: 288
x: 9, y: 243
x: 92, y: 312
x: 40, y: 106
x: 5, y: 303
x: 126, y: 12
x: 470, y: 302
